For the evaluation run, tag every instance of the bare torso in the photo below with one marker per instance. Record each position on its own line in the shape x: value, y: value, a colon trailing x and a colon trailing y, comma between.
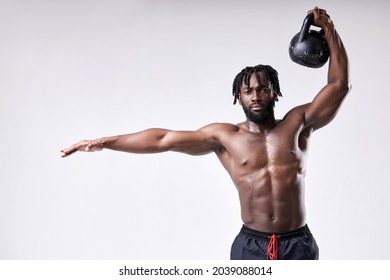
x: 268, y: 170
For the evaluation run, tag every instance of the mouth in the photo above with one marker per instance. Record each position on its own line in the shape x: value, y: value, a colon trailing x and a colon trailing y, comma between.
x: 257, y: 107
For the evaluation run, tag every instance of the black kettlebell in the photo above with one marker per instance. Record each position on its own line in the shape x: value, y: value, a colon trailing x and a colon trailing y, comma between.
x: 308, y: 47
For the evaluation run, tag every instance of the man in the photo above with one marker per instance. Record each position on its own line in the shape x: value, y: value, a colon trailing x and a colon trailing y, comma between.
x: 265, y: 157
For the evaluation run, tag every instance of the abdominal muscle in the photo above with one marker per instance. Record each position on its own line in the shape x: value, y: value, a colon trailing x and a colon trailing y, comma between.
x: 272, y: 200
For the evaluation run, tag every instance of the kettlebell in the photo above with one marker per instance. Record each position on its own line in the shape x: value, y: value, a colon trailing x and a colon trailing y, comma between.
x: 308, y: 47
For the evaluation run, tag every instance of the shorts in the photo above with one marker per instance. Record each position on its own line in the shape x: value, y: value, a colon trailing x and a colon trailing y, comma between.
x: 251, y: 244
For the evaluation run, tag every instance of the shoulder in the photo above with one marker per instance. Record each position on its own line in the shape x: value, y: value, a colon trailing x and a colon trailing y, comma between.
x: 222, y: 134
x: 219, y: 128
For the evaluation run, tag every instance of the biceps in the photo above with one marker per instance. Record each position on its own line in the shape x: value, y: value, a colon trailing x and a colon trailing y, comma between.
x: 189, y: 142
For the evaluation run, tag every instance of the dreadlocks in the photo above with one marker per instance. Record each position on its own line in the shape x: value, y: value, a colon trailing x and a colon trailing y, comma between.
x: 244, y: 76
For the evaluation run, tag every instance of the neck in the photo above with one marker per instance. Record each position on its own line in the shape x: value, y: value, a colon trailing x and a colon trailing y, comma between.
x: 261, y: 127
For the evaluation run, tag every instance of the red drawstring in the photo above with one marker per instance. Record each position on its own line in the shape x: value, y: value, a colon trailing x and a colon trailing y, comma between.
x: 272, y: 251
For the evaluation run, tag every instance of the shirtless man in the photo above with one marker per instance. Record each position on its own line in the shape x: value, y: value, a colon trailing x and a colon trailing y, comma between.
x: 265, y: 157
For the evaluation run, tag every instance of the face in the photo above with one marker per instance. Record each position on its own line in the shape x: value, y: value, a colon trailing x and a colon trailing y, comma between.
x: 257, y: 99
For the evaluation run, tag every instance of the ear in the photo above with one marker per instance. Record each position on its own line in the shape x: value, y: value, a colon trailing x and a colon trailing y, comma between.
x: 239, y: 99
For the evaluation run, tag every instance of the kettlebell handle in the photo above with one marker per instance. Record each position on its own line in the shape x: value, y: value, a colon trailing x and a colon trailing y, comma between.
x: 307, y: 22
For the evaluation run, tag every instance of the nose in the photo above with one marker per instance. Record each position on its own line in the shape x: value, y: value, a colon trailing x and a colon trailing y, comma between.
x: 256, y: 96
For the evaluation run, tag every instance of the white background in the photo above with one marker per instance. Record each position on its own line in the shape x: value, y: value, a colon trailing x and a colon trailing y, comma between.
x: 73, y: 70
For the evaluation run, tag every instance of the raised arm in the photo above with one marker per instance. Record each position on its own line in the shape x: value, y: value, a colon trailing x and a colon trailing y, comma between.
x: 154, y: 140
x: 325, y: 105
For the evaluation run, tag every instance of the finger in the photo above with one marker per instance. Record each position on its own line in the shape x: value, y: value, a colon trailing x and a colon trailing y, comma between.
x: 67, y: 152
x: 321, y: 12
x: 74, y: 148
x: 315, y: 11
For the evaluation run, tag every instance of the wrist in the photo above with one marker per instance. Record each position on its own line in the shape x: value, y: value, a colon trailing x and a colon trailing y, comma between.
x: 106, y: 142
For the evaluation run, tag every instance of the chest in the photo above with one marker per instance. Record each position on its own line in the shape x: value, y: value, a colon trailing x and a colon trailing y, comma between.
x: 256, y: 151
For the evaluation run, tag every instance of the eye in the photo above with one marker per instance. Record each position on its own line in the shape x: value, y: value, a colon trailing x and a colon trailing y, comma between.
x: 265, y: 90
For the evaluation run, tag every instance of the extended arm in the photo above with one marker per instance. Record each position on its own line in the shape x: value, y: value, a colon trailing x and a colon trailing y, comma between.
x: 154, y: 140
x: 325, y: 105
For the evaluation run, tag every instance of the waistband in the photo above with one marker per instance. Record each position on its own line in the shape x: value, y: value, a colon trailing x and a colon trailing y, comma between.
x: 281, y: 235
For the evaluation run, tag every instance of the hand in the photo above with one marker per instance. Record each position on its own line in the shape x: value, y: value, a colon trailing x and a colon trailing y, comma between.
x: 84, y: 146
x: 321, y: 17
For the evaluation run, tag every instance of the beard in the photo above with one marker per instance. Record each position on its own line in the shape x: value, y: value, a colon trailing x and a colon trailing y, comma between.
x: 258, y: 117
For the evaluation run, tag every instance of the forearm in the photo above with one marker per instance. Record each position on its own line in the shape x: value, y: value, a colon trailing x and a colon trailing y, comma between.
x: 147, y: 141
x: 338, y: 72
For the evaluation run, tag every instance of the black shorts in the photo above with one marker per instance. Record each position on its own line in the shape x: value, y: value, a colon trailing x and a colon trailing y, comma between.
x: 298, y: 244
